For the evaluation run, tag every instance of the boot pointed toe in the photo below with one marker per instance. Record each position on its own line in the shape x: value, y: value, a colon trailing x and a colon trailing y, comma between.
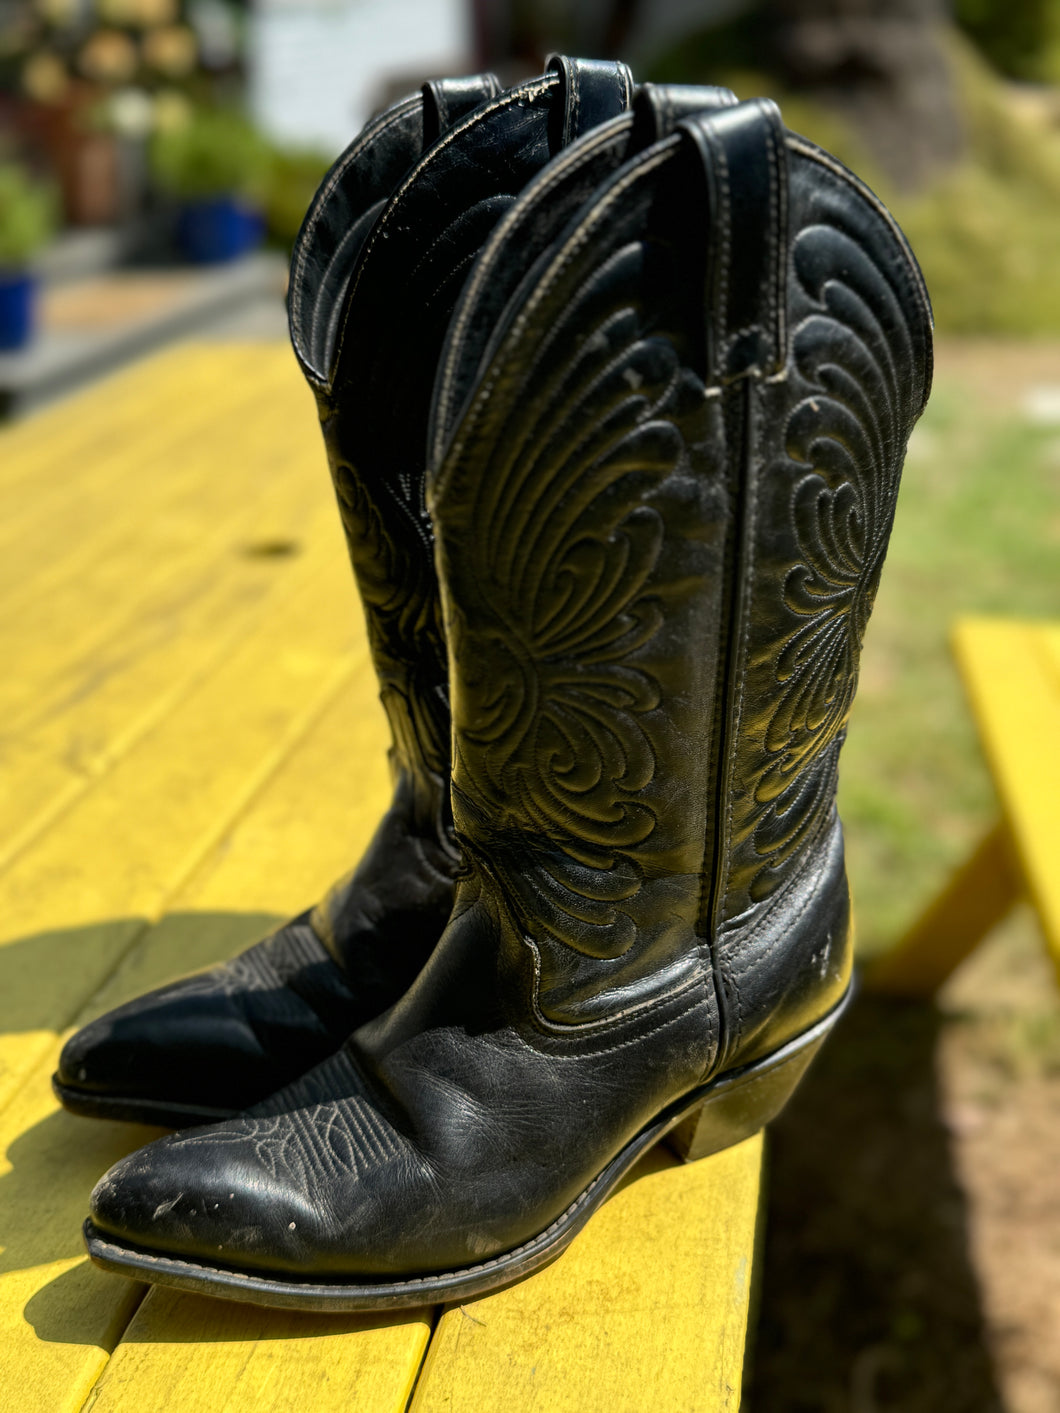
x: 199, y: 1196
x: 210, y: 1045
x: 192, y: 1052
x: 128, y: 1202
x: 89, y: 1059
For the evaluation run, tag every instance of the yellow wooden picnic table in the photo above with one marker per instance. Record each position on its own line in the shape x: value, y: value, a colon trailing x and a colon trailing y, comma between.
x: 1011, y: 672
x: 190, y: 747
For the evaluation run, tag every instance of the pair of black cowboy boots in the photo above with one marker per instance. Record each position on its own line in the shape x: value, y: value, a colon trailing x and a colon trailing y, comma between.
x: 615, y: 389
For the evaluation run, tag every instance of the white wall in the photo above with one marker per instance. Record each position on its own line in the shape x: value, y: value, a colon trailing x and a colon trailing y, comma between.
x: 318, y: 67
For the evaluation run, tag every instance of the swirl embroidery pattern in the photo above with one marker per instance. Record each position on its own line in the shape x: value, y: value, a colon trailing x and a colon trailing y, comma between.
x: 550, y: 604
x: 391, y: 550
x: 376, y: 451
x: 850, y: 430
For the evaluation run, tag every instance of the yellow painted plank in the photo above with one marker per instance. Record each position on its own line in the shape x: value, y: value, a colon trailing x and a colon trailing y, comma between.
x: 306, y: 828
x: 102, y: 653
x: 100, y: 701
x: 977, y: 897
x: 118, y: 853
x: 82, y: 425
x: 63, y: 524
x: 192, y: 1355
x: 72, y: 447
x: 215, y: 463
x: 57, y: 1315
x: 77, y: 512
x: 646, y: 1310
x: 136, y: 386
x: 1011, y: 671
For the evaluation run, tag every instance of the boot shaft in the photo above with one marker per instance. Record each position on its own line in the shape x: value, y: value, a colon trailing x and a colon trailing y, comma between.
x: 661, y: 520
x: 370, y: 352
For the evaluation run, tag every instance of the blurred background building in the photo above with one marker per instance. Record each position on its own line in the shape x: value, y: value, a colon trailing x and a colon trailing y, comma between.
x: 318, y: 70
x: 125, y: 108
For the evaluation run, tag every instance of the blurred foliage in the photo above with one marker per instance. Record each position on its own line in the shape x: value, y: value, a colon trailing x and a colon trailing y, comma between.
x: 986, y: 232
x: 218, y: 152
x: 27, y: 216
x: 215, y: 152
x: 292, y: 183
x: 50, y: 49
x: 1021, y: 38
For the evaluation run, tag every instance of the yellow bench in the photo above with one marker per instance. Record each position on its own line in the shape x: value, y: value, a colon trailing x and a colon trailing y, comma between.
x: 190, y: 747
x: 1011, y: 671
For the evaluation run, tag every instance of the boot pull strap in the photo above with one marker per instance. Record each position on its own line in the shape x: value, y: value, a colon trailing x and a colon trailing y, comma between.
x: 446, y: 101
x: 659, y: 107
x: 591, y: 91
x: 745, y: 162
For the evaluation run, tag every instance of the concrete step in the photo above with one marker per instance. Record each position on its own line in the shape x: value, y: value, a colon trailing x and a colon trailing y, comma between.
x: 94, y: 318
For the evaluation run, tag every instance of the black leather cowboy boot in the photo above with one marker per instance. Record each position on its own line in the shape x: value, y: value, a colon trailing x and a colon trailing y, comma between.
x: 661, y: 513
x: 376, y: 270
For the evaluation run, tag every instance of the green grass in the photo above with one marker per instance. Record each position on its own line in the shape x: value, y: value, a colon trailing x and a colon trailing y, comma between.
x: 976, y: 531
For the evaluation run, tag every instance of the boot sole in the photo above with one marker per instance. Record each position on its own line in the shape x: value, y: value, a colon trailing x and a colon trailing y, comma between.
x: 135, y: 1111
x: 715, y: 1116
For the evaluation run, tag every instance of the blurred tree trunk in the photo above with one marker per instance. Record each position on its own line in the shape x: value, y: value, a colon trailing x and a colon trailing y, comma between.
x: 882, y: 67
x: 527, y: 30
x: 881, y: 64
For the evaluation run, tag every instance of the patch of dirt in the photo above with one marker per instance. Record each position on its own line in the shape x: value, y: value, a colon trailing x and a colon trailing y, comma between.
x: 1002, y: 372
x: 999, y: 1068
x: 912, y: 1249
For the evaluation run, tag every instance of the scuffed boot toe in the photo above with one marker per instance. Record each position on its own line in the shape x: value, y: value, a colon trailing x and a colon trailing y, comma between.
x: 204, y: 1196
x: 160, y: 1198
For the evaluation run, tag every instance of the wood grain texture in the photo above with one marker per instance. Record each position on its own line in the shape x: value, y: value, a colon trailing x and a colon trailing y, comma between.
x: 105, y: 652
x: 81, y: 508
x: 116, y: 692
x: 646, y: 1310
x: 219, y: 455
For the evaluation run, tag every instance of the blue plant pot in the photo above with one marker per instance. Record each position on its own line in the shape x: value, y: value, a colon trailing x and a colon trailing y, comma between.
x: 218, y: 229
x: 18, y: 309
